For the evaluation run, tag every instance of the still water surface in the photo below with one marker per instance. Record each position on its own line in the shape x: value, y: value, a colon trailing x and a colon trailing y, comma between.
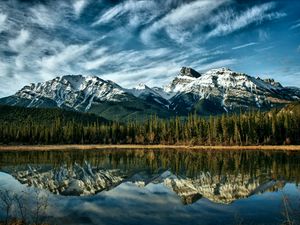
x: 158, y: 186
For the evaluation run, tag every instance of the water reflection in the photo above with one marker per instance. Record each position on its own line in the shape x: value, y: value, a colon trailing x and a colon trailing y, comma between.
x: 220, y: 176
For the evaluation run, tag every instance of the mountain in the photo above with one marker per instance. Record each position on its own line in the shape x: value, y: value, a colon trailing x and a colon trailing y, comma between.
x: 87, y: 94
x: 213, y: 92
x: 148, y: 94
x: 88, y: 180
x: 222, y: 90
x: 74, y: 180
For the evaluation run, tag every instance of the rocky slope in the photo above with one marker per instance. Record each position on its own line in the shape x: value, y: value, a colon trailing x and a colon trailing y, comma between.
x: 214, y: 92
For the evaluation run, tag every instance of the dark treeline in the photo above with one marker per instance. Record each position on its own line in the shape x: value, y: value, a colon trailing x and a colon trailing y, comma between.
x: 252, y: 128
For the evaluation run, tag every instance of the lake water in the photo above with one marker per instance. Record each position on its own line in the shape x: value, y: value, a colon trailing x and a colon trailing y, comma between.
x: 155, y: 186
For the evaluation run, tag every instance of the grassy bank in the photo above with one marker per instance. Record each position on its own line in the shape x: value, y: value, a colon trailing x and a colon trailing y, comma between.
x: 93, y: 147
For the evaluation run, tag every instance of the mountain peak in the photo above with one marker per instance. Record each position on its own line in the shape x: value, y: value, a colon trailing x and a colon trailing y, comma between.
x: 187, y: 71
x: 220, y: 71
x: 141, y: 86
x: 215, y: 91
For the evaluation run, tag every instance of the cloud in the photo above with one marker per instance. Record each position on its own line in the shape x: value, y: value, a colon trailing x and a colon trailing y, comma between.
x: 217, y: 64
x: 178, y: 22
x: 63, y: 58
x: 244, y: 46
x: 295, y: 26
x: 109, y: 15
x: 43, y: 16
x: 3, y: 18
x: 263, y: 35
x: 79, y: 6
x: 140, y: 12
x: 19, y: 42
x: 231, y: 22
x: 4, y: 69
x: 48, y: 16
x: 264, y: 49
x: 125, y: 58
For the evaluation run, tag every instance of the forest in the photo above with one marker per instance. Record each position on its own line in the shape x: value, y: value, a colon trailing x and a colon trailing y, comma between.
x: 275, y: 127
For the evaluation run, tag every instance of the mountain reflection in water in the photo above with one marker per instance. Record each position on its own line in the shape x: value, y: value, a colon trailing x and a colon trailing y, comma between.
x: 222, y: 177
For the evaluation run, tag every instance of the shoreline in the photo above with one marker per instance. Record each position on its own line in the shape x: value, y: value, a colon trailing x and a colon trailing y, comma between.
x: 186, y: 147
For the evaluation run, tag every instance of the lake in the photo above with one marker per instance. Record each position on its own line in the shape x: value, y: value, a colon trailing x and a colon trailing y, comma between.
x: 153, y: 186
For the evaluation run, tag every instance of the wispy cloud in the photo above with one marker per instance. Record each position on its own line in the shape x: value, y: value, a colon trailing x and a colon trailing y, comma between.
x: 264, y: 49
x: 124, y: 58
x: 263, y: 35
x: 231, y: 21
x: 140, y: 12
x: 295, y: 26
x: 244, y: 45
x: 61, y: 60
x: 178, y: 23
x: 3, y: 18
x: 19, y: 42
x: 79, y: 6
x: 217, y: 64
x: 110, y: 14
x: 4, y: 69
x: 43, y: 16
x: 48, y: 16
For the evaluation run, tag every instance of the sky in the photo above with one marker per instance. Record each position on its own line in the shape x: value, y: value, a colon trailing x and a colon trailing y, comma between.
x: 146, y: 41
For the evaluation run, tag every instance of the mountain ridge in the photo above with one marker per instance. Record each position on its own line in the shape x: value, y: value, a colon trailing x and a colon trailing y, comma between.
x: 86, y: 180
x: 214, y: 92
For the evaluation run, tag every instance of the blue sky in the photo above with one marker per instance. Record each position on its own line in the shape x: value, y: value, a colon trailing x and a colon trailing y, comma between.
x: 147, y: 41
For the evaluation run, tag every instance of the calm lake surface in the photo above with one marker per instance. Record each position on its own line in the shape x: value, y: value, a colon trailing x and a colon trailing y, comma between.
x: 157, y: 186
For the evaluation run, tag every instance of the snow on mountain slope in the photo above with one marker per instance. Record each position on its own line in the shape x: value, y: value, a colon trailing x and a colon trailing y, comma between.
x: 227, y: 90
x: 144, y: 92
x: 216, y: 91
x: 185, y: 77
x: 74, y: 91
x: 84, y: 180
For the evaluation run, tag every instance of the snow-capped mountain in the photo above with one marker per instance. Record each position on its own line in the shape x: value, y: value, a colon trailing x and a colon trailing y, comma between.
x: 91, y: 94
x: 222, y: 90
x: 213, y: 92
x: 185, y: 77
x: 70, y: 180
x: 88, y: 180
x: 148, y: 94
x: 77, y: 92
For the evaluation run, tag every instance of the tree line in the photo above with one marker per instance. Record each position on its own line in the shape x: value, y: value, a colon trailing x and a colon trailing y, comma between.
x: 276, y: 127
